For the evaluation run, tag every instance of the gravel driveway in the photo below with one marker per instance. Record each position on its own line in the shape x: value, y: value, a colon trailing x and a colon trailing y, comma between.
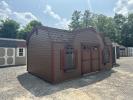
x: 116, y: 84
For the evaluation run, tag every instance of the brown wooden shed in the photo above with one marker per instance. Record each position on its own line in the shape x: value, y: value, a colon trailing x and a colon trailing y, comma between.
x: 56, y: 55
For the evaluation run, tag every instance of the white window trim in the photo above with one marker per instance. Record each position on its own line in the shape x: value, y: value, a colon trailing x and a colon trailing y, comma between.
x: 18, y: 52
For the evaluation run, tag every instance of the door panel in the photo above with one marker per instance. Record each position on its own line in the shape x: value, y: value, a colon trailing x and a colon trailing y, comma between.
x: 86, y: 67
x: 90, y: 59
x: 7, y: 56
x: 86, y: 58
x: 95, y: 59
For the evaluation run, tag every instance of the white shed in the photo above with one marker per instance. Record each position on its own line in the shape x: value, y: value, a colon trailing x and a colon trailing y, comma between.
x: 12, y: 52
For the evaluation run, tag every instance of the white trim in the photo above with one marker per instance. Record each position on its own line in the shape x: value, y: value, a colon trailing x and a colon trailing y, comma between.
x: 23, y: 52
x: 6, y: 56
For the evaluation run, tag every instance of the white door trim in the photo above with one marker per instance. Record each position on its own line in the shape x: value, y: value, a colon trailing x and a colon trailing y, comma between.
x: 6, y: 56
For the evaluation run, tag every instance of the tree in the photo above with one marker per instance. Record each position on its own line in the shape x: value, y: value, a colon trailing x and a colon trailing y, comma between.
x: 110, y: 29
x: 75, y: 23
x: 9, y: 28
x: 88, y: 19
x: 124, y: 34
x: 107, y: 26
x: 120, y: 20
x: 101, y: 23
x: 22, y: 34
x: 127, y: 32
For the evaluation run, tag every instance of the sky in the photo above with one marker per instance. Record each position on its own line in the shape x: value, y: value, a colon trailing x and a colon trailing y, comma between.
x: 57, y: 13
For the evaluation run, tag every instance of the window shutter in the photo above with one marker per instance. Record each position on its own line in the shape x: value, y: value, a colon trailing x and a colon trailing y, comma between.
x: 76, y: 57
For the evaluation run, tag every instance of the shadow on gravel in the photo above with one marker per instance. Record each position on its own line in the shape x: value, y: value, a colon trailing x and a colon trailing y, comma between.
x: 39, y: 87
x: 116, y: 65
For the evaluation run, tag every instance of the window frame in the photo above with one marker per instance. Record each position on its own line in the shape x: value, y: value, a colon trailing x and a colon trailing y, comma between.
x: 63, y: 58
x: 18, y: 52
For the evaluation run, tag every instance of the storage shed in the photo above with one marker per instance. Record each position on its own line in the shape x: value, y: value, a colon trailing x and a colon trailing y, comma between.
x: 56, y: 55
x: 12, y: 52
x: 126, y: 51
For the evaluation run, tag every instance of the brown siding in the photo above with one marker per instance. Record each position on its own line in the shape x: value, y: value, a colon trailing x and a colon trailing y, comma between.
x: 91, y: 38
x: 60, y: 75
x: 110, y: 64
x: 44, y: 49
x: 39, y: 55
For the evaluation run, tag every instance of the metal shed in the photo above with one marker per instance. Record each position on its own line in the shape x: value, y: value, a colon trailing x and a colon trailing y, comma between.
x: 12, y: 52
x: 56, y: 55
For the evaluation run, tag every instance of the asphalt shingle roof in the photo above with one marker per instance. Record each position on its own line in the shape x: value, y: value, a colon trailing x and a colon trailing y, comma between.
x: 6, y: 42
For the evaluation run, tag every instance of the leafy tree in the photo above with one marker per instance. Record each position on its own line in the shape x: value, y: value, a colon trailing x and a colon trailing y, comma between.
x: 9, y: 28
x: 31, y: 25
x: 101, y: 23
x: 118, y: 28
x: 87, y: 19
x: 110, y: 29
x: 22, y: 34
x: 76, y: 21
x: 120, y: 20
x: 107, y: 25
x: 124, y: 34
x: 127, y: 31
x: 27, y: 29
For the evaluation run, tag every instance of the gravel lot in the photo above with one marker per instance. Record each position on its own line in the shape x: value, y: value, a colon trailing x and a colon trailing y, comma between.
x: 116, y: 84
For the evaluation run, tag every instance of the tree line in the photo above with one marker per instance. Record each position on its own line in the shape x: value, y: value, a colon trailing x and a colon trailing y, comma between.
x: 11, y: 29
x: 118, y: 28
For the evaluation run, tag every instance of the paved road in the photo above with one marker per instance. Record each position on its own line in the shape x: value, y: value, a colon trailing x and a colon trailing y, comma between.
x: 116, y: 84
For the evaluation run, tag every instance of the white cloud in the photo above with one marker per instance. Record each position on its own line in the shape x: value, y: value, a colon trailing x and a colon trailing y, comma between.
x: 4, y: 10
x: 22, y: 17
x: 62, y: 22
x: 48, y: 10
x: 124, y: 7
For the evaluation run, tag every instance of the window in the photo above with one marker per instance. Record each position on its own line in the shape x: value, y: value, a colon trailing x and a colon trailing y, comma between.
x: 21, y: 52
x: 69, y: 58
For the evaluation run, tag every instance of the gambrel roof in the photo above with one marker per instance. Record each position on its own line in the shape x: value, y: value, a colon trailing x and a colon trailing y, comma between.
x: 59, y: 35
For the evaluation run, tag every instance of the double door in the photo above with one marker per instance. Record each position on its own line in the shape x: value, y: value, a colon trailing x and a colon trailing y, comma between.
x: 90, y: 59
x: 7, y: 56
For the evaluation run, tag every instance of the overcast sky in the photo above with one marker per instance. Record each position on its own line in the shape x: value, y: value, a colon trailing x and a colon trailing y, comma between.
x: 57, y: 13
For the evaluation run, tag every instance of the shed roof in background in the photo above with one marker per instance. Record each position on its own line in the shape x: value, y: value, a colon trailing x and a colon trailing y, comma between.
x: 121, y: 46
x: 7, y: 42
